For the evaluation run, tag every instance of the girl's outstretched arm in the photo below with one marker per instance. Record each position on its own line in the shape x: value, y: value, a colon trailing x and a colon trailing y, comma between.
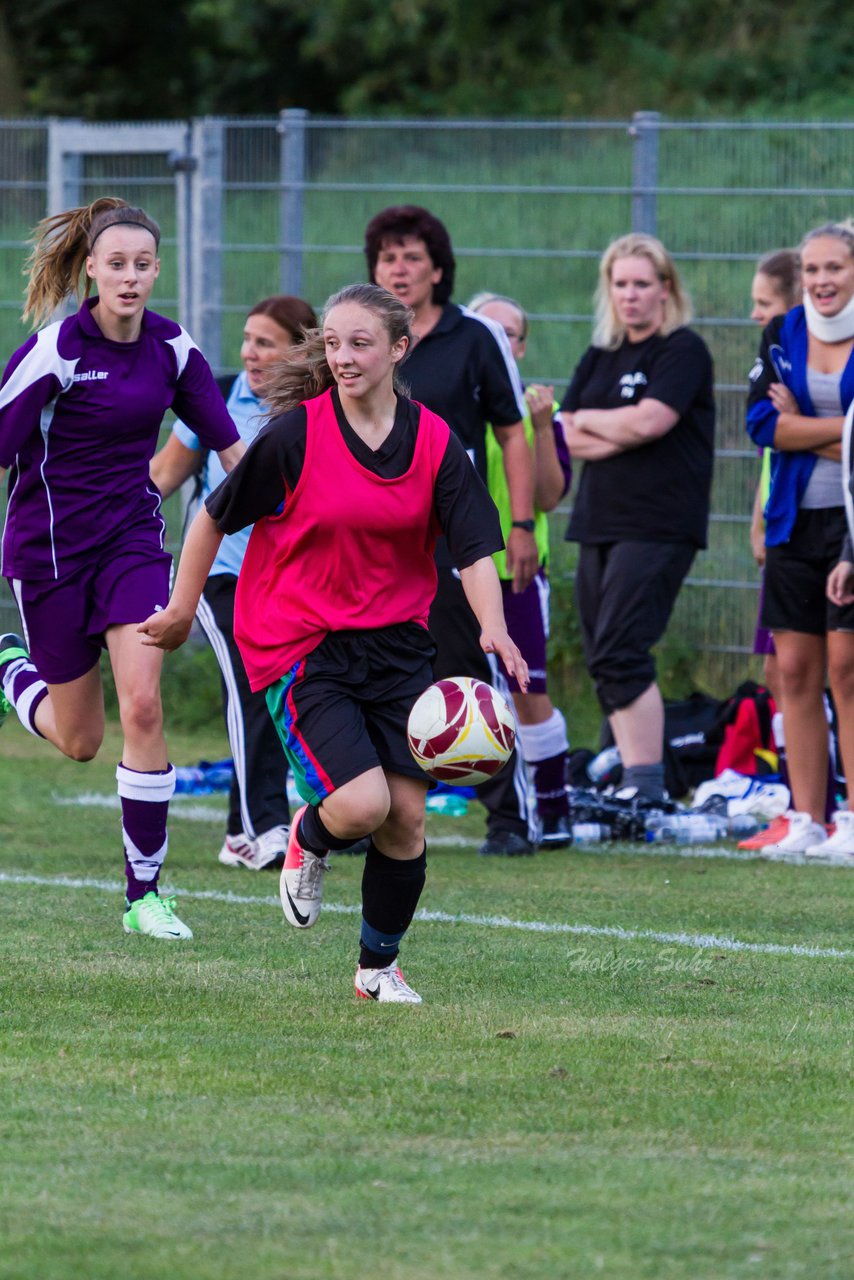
x: 483, y: 592
x: 169, y: 628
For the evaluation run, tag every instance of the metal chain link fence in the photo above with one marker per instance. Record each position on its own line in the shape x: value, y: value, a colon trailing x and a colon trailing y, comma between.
x: 251, y: 207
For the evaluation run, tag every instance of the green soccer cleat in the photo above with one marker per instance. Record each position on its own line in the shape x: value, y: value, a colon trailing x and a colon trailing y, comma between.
x: 11, y: 647
x: 155, y: 917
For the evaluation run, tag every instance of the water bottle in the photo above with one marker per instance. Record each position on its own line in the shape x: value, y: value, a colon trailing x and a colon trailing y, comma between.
x: 745, y: 824
x: 600, y: 766
x: 685, y: 828
x: 590, y: 832
x: 450, y: 805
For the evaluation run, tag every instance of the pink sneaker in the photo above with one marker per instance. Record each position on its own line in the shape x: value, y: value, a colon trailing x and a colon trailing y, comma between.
x: 773, y: 834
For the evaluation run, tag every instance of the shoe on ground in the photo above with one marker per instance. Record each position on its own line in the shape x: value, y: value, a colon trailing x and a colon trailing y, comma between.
x: 155, y: 917
x: 556, y: 831
x: 271, y: 847
x: 388, y: 985
x: 11, y: 648
x: 772, y: 834
x: 506, y: 844
x: 238, y: 851
x: 301, y: 881
x: 803, y: 833
x: 838, y: 848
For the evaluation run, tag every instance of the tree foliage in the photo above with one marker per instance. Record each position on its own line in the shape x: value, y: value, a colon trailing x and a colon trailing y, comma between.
x: 423, y: 57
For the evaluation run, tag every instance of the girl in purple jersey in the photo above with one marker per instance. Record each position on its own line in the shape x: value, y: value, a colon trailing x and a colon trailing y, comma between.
x: 81, y: 404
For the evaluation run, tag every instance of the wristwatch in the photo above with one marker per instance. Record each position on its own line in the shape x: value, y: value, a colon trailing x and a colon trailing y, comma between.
x: 527, y: 525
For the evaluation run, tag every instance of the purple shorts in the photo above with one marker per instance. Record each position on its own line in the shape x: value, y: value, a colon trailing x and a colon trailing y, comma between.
x: 527, y: 616
x: 64, y: 622
x: 763, y: 640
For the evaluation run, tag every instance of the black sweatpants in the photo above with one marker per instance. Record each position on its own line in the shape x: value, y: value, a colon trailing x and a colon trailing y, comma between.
x: 456, y: 633
x: 258, y: 799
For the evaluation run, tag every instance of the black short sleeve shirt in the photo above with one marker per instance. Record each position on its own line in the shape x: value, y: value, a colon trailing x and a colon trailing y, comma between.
x: 463, y: 370
x: 658, y: 492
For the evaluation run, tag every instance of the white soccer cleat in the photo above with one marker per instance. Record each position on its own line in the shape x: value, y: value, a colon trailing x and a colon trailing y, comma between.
x: 301, y: 881
x: 803, y: 834
x: 388, y: 985
x: 838, y: 849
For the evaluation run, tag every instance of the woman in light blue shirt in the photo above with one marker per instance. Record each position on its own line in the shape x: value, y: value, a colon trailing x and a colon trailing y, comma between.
x: 258, y: 818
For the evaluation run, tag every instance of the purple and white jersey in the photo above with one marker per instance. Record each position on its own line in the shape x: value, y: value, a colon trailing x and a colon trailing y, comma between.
x: 79, y: 420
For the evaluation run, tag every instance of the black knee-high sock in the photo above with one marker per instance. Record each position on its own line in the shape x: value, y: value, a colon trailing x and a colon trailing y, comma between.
x: 315, y: 836
x: 390, y: 892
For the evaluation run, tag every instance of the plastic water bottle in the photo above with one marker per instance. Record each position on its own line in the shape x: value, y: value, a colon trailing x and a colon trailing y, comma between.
x: 450, y: 805
x: 590, y: 832
x: 745, y: 824
x: 685, y: 828
x: 600, y: 766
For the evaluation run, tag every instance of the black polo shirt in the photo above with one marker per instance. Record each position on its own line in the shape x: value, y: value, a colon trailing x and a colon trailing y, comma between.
x: 464, y: 371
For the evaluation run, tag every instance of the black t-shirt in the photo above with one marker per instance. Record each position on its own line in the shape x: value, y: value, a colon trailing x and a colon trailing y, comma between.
x: 658, y: 492
x: 462, y: 371
x: 269, y: 471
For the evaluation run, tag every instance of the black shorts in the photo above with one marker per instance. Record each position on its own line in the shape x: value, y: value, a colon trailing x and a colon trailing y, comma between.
x: 795, y: 597
x: 343, y: 709
x: 625, y: 593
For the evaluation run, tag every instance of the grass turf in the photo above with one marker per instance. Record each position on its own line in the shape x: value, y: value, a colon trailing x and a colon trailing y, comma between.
x: 563, y: 1104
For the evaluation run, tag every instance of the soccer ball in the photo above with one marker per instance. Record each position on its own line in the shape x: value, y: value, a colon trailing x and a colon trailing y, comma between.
x: 461, y: 731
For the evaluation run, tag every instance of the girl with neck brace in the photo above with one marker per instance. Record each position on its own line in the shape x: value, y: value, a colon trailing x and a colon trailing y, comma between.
x: 802, y: 385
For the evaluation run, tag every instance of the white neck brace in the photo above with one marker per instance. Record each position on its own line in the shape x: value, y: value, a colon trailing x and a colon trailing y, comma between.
x: 838, y: 328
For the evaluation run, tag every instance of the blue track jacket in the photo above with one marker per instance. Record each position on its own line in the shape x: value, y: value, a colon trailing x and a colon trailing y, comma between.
x: 783, y: 358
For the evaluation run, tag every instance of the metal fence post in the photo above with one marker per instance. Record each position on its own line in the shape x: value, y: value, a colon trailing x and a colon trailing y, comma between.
x: 64, y: 167
x: 292, y: 154
x: 206, y: 231
x: 644, y: 133
x: 184, y: 164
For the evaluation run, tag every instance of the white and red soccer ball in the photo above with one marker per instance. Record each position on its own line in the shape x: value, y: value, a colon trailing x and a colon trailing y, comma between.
x: 461, y: 731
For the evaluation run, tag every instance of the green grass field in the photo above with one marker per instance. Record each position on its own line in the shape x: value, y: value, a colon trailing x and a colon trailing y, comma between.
x: 601, y: 1079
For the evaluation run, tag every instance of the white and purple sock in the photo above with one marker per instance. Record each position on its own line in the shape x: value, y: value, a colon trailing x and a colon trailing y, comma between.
x: 145, y: 806
x: 24, y: 688
x: 544, y: 747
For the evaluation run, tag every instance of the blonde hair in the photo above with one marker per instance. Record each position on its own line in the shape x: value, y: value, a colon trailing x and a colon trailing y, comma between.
x: 608, y: 332
x: 304, y: 373
x: 61, y: 245
x: 481, y: 300
x: 843, y: 231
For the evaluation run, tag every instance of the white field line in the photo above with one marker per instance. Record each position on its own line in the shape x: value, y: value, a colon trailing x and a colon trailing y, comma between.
x: 187, y: 809
x: 697, y: 941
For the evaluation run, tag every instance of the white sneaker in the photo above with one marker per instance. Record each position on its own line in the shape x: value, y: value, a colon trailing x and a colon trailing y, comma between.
x: 301, y: 881
x: 837, y: 849
x: 271, y: 846
x: 239, y: 851
x: 803, y: 834
x: 387, y: 985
